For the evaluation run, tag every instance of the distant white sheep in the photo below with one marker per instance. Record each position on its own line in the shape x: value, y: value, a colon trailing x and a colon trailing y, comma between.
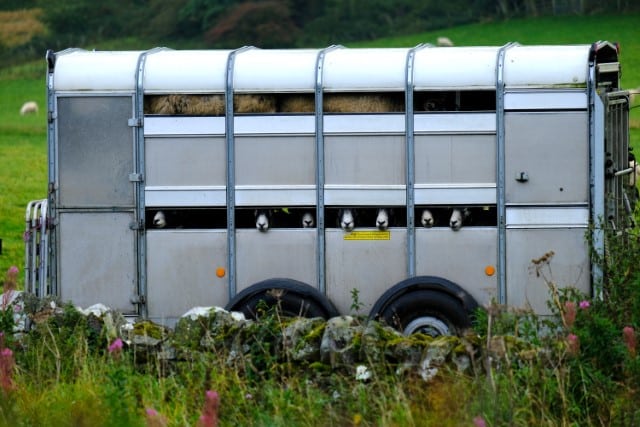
x: 29, y: 107
x: 444, y: 42
x: 426, y: 219
x: 458, y: 217
x: 347, y: 219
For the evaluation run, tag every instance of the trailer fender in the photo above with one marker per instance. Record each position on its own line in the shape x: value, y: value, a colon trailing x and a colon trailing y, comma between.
x: 295, y: 298
x: 426, y: 304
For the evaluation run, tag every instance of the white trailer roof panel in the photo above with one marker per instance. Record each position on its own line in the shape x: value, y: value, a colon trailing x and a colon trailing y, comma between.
x: 458, y: 67
x: 365, y: 70
x: 88, y: 70
x: 546, y: 66
x: 291, y: 70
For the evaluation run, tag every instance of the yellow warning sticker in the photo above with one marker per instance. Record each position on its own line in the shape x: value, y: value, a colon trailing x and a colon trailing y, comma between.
x: 368, y: 235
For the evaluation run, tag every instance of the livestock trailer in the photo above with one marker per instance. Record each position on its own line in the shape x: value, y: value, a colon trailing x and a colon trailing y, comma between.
x: 530, y: 142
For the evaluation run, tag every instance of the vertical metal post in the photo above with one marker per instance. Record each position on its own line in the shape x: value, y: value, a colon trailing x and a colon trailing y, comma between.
x: 500, y: 175
x: 138, y: 182
x: 596, y: 111
x: 231, y: 170
x: 53, y: 172
x: 410, y: 161
x: 319, y: 130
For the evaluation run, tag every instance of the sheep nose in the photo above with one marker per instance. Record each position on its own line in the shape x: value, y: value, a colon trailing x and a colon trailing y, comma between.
x: 307, y: 223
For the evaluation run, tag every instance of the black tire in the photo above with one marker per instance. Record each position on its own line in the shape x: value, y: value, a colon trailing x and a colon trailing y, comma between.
x: 426, y: 311
x: 293, y: 298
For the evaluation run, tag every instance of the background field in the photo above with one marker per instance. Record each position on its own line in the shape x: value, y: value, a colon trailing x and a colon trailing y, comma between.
x: 23, y: 156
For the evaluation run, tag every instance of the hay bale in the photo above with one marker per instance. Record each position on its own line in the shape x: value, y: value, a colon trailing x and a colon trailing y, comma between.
x: 248, y: 103
x: 297, y: 104
x: 361, y: 103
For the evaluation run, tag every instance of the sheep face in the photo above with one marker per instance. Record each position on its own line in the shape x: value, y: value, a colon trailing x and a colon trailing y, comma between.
x: 382, y: 219
x: 347, y: 219
x: 308, y: 220
x: 263, y: 217
x: 159, y: 220
x: 426, y: 219
x: 457, y: 218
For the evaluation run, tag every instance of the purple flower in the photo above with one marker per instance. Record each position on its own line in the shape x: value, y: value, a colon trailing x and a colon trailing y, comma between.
x: 629, y: 337
x: 584, y: 304
x: 116, y: 347
x: 479, y: 422
x: 155, y: 419
x: 573, y: 344
x: 209, y: 417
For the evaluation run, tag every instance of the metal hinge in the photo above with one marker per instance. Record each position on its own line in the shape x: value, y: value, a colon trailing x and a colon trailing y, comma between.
x: 136, y: 177
x: 138, y: 299
x: 135, y: 122
x: 136, y: 225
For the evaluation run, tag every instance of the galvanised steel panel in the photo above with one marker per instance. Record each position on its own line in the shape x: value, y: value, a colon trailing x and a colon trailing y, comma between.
x: 275, y: 160
x: 364, y: 160
x: 455, y: 159
x: 283, y: 253
x: 185, y: 161
x: 370, y: 266
x: 96, y: 259
x: 181, y: 271
x: 95, y: 151
x: 551, y: 149
x: 460, y: 256
x: 569, y: 265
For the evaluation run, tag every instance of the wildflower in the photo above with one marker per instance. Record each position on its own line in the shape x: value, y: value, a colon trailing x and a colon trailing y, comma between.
x: 584, y: 304
x: 629, y: 336
x: 155, y: 419
x: 479, y: 422
x: 569, y: 313
x: 362, y: 373
x: 209, y: 417
x: 573, y: 344
x: 116, y: 347
x: 6, y: 366
x: 357, y: 419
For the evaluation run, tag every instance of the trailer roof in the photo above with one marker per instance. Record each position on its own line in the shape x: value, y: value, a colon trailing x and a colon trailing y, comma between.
x: 343, y: 69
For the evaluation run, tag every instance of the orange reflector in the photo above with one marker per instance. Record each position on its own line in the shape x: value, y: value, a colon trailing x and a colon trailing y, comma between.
x: 220, y: 272
x: 489, y: 270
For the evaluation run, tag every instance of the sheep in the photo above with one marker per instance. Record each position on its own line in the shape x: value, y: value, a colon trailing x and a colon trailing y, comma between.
x: 297, y: 104
x: 458, y: 217
x: 263, y: 219
x: 383, y: 218
x: 159, y: 220
x: 426, y: 219
x: 347, y: 219
x: 29, y: 107
x: 444, y: 42
x: 308, y: 221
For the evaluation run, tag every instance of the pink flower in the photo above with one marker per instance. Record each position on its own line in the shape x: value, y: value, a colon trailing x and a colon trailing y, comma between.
x: 209, y: 417
x: 6, y: 367
x: 116, y: 347
x: 573, y: 344
x: 479, y: 422
x: 584, y: 304
x: 155, y: 419
x: 569, y: 313
x: 629, y: 337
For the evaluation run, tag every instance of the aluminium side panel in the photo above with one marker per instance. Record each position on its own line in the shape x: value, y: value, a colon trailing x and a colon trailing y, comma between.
x: 96, y: 259
x: 181, y: 271
x: 363, y: 262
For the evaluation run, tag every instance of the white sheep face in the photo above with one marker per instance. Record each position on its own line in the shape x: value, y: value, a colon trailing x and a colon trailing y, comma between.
x: 457, y: 217
x: 382, y: 219
x: 347, y: 220
x: 307, y: 220
x: 159, y: 220
x: 427, y: 218
x: 262, y: 221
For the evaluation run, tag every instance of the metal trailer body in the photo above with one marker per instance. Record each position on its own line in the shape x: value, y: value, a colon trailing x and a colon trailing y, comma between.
x: 516, y: 131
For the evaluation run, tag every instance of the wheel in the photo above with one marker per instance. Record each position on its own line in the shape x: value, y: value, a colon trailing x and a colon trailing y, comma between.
x: 293, y: 298
x: 430, y: 312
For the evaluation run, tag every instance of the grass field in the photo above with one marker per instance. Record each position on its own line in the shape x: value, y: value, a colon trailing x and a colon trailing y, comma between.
x: 23, y: 158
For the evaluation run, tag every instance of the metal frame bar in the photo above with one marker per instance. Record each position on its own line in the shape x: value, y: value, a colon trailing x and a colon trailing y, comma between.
x: 231, y: 171
x: 319, y: 131
x: 500, y: 175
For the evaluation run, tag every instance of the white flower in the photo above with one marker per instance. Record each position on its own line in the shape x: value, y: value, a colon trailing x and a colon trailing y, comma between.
x: 362, y: 373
